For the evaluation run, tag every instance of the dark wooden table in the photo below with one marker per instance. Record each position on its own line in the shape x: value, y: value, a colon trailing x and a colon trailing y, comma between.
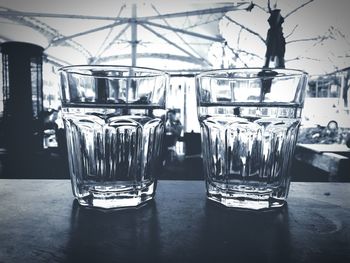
x: 40, y: 222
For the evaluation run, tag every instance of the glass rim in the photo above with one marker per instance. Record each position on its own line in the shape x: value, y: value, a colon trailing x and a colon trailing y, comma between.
x: 281, y: 73
x: 78, y: 69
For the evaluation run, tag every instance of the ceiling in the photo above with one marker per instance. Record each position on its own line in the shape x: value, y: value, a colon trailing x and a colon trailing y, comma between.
x: 178, y: 34
x: 173, y: 34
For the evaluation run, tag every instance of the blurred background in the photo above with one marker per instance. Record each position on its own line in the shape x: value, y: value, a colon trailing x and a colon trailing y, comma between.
x: 182, y: 37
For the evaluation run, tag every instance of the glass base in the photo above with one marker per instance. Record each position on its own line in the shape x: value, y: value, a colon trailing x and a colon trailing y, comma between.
x: 236, y: 199
x: 118, y: 199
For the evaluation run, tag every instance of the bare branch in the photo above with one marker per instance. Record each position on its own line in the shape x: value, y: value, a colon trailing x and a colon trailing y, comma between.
x: 330, y: 60
x: 319, y: 39
x: 203, y: 23
x: 329, y: 34
x: 237, y: 56
x: 296, y: 9
x: 260, y: 7
x: 302, y: 40
x: 269, y: 6
x: 246, y: 28
x: 239, y: 37
x: 291, y: 33
x: 275, y: 4
x: 249, y: 53
x: 245, y: 64
x: 301, y: 57
x: 338, y: 31
x: 341, y: 34
x: 344, y: 56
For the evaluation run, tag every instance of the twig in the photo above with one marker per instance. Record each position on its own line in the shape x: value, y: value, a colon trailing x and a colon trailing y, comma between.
x: 301, y: 57
x: 258, y: 6
x: 236, y: 53
x: 303, y: 40
x: 249, y: 53
x: 318, y: 38
x: 239, y: 37
x: 269, y: 6
x: 292, y: 31
x: 341, y: 34
x: 344, y: 56
x: 203, y: 23
x: 296, y: 9
x: 238, y: 57
x: 330, y: 60
x: 246, y: 28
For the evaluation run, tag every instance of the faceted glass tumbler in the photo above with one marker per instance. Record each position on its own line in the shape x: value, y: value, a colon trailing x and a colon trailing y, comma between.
x: 249, y: 125
x: 114, y: 121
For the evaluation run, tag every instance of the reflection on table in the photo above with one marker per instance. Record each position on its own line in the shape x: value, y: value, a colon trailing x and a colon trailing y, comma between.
x: 40, y: 222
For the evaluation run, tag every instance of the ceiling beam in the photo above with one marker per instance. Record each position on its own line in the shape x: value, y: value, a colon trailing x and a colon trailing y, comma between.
x: 168, y: 41
x: 181, y: 37
x: 200, y: 12
x: 123, y: 20
x: 51, y: 15
x: 186, y: 32
x: 196, y: 61
x: 58, y: 40
x: 210, y: 38
x: 47, y: 31
x: 223, y: 9
x: 111, y: 43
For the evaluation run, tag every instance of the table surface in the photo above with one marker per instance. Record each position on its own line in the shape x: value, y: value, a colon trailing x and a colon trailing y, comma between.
x: 40, y: 222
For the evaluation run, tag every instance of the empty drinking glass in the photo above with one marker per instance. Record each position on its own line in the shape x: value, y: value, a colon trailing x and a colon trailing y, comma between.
x: 249, y: 124
x: 114, y: 120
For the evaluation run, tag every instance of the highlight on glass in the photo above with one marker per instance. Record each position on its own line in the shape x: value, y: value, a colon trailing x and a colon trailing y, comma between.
x: 114, y: 121
x: 249, y: 125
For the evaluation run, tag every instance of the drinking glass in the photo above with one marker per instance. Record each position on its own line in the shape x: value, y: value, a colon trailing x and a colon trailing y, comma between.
x: 114, y: 121
x: 249, y: 125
